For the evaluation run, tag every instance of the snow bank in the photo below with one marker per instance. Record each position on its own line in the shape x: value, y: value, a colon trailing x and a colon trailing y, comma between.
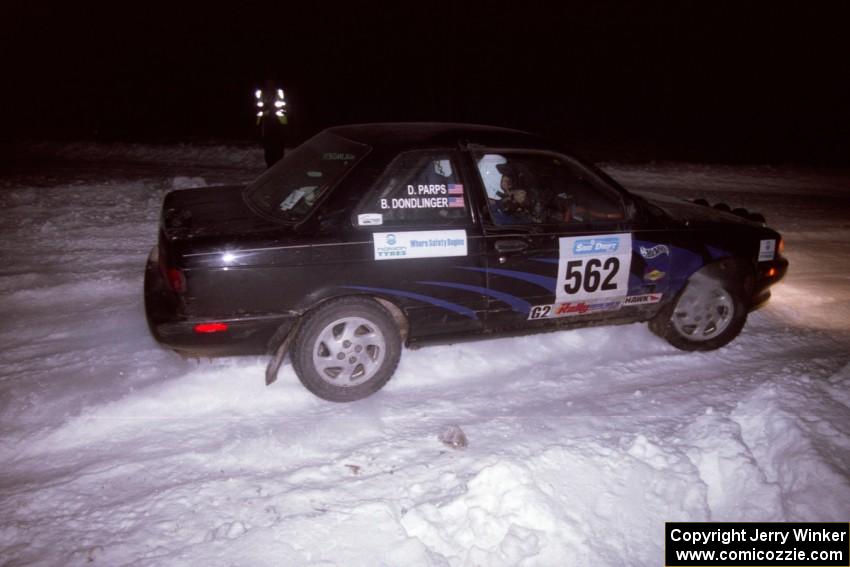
x: 233, y: 154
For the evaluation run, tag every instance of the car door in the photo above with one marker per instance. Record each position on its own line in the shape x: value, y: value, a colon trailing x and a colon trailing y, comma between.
x: 428, y: 248
x: 558, y: 243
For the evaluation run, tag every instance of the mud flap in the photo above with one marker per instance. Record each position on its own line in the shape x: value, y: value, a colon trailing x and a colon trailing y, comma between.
x: 276, y: 361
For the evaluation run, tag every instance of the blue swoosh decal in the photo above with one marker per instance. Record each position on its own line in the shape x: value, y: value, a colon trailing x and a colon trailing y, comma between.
x: 547, y: 283
x: 516, y: 303
x: 459, y: 309
x: 546, y: 260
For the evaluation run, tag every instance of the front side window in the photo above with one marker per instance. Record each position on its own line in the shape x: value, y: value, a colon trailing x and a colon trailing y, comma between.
x: 291, y: 188
x: 544, y: 188
x: 418, y: 187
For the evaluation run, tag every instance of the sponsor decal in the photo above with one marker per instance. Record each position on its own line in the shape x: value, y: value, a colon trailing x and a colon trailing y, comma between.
x: 419, y: 244
x: 336, y: 156
x: 654, y: 251
x: 606, y: 245
x: 593, y: 269
x: 579, y: 308
x: 654, y: 275
x: 645, y: 299
x: 370, y: 219
x: 570, y: 308
x: 767, y: 250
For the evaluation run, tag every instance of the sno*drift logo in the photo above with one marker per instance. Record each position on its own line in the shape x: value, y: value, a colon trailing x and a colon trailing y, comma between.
x: 596, y: 245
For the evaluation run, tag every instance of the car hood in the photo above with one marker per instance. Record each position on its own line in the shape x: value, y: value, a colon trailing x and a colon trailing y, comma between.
x: 207, y: 211
x: 690, y: 213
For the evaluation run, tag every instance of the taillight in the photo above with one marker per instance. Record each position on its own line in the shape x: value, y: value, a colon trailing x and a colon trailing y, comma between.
x: 205, y: 328
x: 176, y: 280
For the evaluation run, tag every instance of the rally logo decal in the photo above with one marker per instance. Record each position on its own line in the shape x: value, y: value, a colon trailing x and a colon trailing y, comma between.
x: 568, y: 309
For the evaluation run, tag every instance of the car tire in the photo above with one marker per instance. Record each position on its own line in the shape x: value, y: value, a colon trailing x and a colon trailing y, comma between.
x: 706, y: 315
x: 347, y: 349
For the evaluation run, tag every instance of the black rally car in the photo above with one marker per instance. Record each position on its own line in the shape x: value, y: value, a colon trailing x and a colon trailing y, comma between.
x: 367, y: 238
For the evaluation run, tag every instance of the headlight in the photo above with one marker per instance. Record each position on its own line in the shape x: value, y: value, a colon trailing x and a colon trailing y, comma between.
x: 279, y: 104
x: 258, y: 93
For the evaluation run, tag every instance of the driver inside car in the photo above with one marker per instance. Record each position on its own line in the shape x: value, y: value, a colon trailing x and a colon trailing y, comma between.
x: 515, y: 203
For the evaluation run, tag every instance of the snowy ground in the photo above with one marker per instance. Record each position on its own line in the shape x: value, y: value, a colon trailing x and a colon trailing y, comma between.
x: 581, y: 444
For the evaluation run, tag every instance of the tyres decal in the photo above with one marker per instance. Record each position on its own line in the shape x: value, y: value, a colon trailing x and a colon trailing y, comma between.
x: 419, y: 244
x: 517, y: 304
x: 454, y: 307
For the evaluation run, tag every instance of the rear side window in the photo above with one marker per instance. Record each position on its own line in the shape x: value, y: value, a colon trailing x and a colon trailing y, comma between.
x: 419, y: 187
x: 290, y: 189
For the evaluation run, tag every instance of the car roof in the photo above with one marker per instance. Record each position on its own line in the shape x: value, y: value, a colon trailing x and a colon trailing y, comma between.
x: 411, y: 135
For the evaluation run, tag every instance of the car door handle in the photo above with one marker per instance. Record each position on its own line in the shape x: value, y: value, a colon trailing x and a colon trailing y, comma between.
x: 511, y: 245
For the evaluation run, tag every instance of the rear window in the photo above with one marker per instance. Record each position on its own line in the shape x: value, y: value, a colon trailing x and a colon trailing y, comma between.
x: 291, y: 189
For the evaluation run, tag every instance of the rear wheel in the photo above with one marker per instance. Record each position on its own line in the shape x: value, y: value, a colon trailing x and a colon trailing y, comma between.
x: 347, y: 349
x: 707, y: 315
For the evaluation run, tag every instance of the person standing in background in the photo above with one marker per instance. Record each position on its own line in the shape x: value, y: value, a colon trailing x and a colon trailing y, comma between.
x: 272, y: 120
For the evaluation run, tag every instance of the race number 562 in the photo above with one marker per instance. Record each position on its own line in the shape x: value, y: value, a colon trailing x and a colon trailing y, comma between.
x: 591, y: 268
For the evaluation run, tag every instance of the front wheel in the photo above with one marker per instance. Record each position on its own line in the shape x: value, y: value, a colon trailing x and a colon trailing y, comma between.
x: 347, y: 349
x: 707, y: 315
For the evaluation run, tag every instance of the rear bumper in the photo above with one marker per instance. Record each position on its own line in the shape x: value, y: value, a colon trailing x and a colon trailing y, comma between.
x: 245, y: 335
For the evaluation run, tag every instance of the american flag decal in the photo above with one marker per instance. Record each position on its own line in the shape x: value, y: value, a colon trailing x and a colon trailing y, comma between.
x: 455, y: 189
x: 455, y: 202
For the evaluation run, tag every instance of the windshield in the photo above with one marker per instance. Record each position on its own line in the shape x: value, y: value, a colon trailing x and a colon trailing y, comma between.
x: 291, y: 188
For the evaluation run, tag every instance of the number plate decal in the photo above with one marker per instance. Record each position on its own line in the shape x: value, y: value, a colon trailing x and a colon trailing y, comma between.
x: 594, y: 268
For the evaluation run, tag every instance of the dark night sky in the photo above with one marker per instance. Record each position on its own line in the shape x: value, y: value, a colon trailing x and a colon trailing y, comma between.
x: 764, y: 82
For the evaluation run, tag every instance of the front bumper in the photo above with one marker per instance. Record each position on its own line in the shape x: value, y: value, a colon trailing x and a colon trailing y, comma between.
x: 768, y: 274
x: 171, y: 326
